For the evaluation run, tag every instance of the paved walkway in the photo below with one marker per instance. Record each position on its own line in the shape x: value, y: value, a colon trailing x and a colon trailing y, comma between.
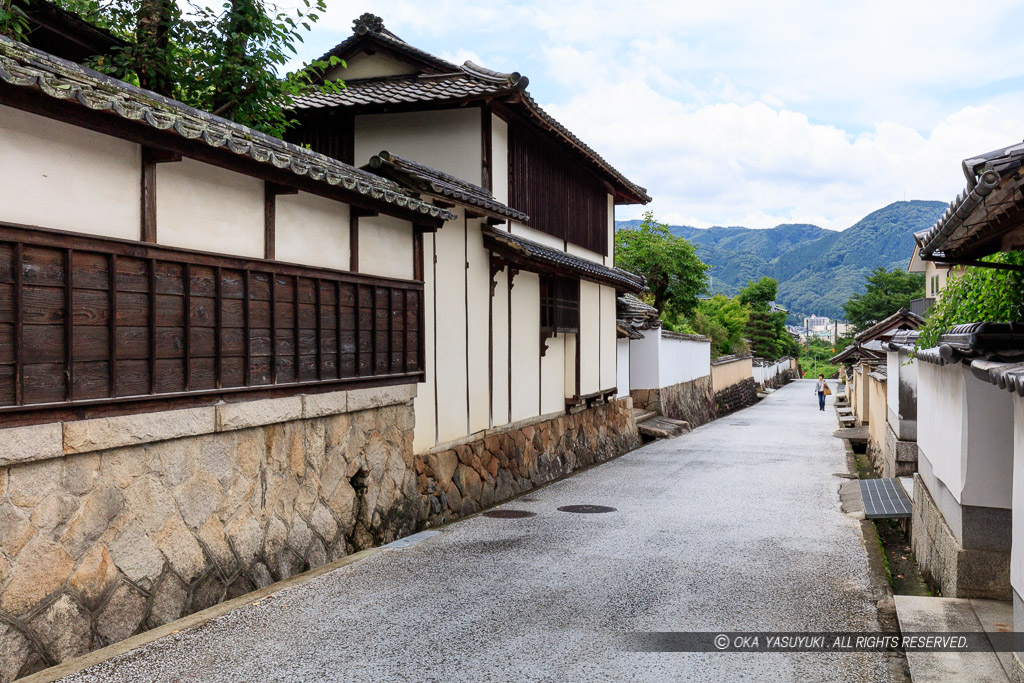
x: 735, y: 526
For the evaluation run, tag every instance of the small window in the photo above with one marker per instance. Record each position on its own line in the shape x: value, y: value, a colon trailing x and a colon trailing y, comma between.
x: 559, y: 304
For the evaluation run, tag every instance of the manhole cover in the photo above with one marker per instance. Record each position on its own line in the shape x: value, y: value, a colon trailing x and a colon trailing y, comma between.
x: 587, y: 509
x: 509, y: 514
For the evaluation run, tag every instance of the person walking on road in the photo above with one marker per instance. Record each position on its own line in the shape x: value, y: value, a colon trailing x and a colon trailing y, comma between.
x: 821, y: 388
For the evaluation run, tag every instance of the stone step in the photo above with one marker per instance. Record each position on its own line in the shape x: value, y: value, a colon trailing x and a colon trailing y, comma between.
x: 641, y: 414
x: 659, y: 427
x: 844, y: 410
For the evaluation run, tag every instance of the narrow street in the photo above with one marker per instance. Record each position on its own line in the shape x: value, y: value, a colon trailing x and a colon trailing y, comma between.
x: 733, y: 527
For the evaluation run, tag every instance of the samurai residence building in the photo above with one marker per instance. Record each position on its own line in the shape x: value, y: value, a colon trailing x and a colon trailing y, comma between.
x: 226, y: 358
x: 520, y: 287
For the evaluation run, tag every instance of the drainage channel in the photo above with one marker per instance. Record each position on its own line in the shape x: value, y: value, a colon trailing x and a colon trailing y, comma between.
x: 894, y: 538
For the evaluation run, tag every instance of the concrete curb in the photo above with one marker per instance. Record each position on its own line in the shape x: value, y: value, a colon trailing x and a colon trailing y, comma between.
x: 95, y: 657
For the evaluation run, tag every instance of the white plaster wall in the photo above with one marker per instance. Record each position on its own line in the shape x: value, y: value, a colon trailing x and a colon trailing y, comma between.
x: 966, y: 432
x: 450, y: 275
x: 988, y: 470
x: 386, y: 247
x: 570, y: 365
x: 584, y: 253
x: 425, y: 431
x: 55, y: 175
x: 644, y: 360
x: 536, y: 236
x: 500, y: 349
x: 199, y: 206
x: 552, y: 376
x: 608, y: 334
x: 448, y: 140
x: 590, y: 338
x: 1017, y: 523
x: 363, y: 65
x: 479, y: 293
x: 892, y: 386
x: 682, y: 361
x: 622, y: 368
x: 499, y: 158
x: 312, y: 230
x: 525, y: 346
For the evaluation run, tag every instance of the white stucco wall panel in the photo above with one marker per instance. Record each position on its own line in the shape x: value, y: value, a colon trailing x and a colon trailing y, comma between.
x: 609, y: 357
x: 590, y: 338
x: 363, y: 65
x: 622, y: 367
x: 312, y: 230
x: 584, y: 253
x: 499, y: 158
x: 479, y: 295
x: 450, y: 274
x: 552, y: 376
x: 425, y: 431
x: 968, y: 436
x: 1017, y: 524
x: 682, y: 360
x: 610, y: 259
x: 199, y: 206
x: 571, y: 341
x: 500, y: 349
x: 536, y: 236
x: 643, y: 360
x: 63, y: 177
x: 525, y: 346
x: 386, y: 247
x: 448, y: 140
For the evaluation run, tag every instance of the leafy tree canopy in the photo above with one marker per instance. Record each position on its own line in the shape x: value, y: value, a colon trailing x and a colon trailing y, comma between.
x: 674, y: 274
x: 978, y: 295
x: 723, y: 321
x: 887, y: 292
x: 222, y: 59
x: 759, y: 295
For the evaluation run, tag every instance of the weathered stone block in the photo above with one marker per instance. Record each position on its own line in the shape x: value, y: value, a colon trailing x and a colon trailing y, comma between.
x: 26, y: 444
x: 246, y: 414
x: 15, y: 530
x: 364, y: 399
x: 28, y: 484
x: 64, y: 629
x: 181, y: 549
x: 168, y: 602
x: 136, y: 555
x: 94, y: 575
x: 323, y: 405
x: 15, y: 650
x: 80, y: 473
x: 105, y: 433
x: 122, y: 615
x: 216, y: 541
x: 40, y: 569
x: 198, y: 498
x: 100, y: 508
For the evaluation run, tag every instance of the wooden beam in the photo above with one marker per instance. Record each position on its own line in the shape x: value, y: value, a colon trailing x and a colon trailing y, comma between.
x: 486, y: 153
x: 270, y: 193
x: 150, y: 158
x: 353, y: 241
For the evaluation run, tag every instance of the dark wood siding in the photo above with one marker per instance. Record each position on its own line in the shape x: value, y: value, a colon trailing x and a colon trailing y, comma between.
x: 561, y: 197
x: 89, y: 320
x: 331, y: 134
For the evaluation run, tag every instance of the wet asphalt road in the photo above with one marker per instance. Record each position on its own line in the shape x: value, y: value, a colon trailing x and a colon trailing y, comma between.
x: 733, y: 527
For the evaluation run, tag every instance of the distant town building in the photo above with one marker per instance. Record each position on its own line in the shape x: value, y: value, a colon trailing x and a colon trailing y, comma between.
x: 823, y: 327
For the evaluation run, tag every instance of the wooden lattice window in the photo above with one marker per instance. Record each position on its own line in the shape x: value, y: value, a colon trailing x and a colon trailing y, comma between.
x: 156, y: 322
x: 559, y: 304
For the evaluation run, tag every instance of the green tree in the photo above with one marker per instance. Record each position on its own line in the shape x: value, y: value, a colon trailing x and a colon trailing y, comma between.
x: 978, y: 295
x: 222, y: 59
x: 675, y: 275
x: 759, y: 295
x: 887, y: 292
x: 723, y: 321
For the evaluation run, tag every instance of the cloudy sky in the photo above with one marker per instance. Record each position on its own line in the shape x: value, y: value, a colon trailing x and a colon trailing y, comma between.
x: 748, y: 113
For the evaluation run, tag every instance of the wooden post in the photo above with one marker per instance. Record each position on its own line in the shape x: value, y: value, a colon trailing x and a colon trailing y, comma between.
x: 150, y: 158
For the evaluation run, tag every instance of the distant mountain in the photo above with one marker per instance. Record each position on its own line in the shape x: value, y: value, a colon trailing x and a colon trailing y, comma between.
x: 817, y: 269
